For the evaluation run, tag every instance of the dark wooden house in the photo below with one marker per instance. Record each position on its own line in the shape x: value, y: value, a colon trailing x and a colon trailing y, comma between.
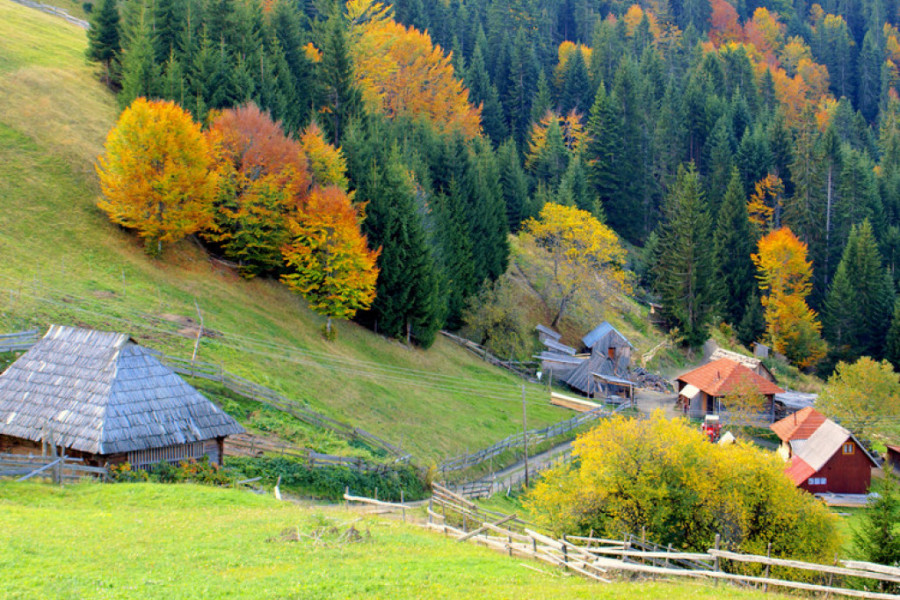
x: 102, y: 397
x: 822, y: 456
x: 606, y: 372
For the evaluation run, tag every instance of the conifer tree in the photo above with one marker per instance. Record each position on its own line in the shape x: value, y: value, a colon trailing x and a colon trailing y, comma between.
x: 210, y: 82
x: 140, y: 73
x: 859, y: 304
x: 683, y: 271
x: 104, y: 45
x: 892, y: 344
x: 340, y: 95
x: 487, y: 216
x: 483, y: 91
x: 514, y: 186
x: 168, y: 22
x: 455, y: 254
x: 719, y: 161
x: 543, y: 100
x: 577, y: 93
x: 733, y: 245
x: 604, y: 151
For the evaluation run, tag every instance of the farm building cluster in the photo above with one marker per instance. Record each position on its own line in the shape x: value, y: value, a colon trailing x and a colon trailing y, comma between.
x: 101, y: 397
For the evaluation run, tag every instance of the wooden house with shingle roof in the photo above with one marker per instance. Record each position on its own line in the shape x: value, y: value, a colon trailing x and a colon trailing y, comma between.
x: 107, y: 400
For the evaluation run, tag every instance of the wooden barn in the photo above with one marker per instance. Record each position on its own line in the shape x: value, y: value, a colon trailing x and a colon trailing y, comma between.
x: 105, y: 399
x: 700, y: 391
x: 605, y: 373
x: 822, y: 456
x: 751, y: 362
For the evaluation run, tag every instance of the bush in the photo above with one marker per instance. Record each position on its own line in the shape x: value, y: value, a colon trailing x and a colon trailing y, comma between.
x: 663, y: 476
x: 188, y: 471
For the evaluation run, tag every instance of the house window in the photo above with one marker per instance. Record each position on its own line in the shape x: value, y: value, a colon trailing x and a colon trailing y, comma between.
x: 848, y: 448
x: 611, y: 352
x: 817, y: 481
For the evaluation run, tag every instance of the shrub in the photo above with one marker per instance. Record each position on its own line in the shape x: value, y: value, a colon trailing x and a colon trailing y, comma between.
x: 663, y: 476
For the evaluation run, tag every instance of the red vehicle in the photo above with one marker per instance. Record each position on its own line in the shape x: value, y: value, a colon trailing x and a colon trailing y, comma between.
x: 712, y: 428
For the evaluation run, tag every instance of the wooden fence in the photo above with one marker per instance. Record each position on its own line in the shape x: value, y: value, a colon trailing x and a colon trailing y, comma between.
x: 240, y: 445
x: 522, y: 369
x: 17, y: 342
x: 602, y: 559
x: 58, y: 468
x: 534, y: 436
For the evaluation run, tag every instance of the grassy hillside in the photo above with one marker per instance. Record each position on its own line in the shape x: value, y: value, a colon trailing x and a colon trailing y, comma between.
x: 181, y: 541
x: 61, y: 261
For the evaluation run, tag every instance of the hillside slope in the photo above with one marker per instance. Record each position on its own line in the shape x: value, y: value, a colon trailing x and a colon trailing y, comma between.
x: 186, y: 541
x: 61, y: 261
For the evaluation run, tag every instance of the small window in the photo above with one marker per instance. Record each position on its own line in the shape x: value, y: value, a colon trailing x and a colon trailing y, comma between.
x: 849, y: 448
x: 817, y: 481
x: 611, y: 352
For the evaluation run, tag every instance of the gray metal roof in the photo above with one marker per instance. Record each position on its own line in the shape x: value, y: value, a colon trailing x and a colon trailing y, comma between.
x: 549, y: 332
x: 560, y: 358
x: 796, y: 400
x: 600, y: 331
x: 99, y: 392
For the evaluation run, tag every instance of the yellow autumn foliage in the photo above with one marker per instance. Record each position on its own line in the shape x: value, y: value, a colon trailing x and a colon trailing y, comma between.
x: 663, y: 477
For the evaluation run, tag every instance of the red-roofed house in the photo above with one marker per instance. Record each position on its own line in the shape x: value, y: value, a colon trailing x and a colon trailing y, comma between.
x: 823, y: 456
x: 700, y: 390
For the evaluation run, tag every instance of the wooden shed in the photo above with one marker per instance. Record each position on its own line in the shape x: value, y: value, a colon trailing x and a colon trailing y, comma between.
x: 605, y: 373
x: 700, y: 391
x: 105, y: 399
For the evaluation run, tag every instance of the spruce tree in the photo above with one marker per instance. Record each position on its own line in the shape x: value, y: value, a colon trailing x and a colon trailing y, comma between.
x: 892, y: 344
x: 168, y: 23
x: 605, y: 149
x: 483, y: 91
x: 455, y: 255
x: 514, y: 184
x: 543, y: 100
x: 577, y: 93
x: 487, y: 216
x: 104, y: 45
x: 719, y: 161
x: 140, y: 73
x: 877, y: 539
x: 684, y: 269
x: 733, y: 243
x: 340, y: 94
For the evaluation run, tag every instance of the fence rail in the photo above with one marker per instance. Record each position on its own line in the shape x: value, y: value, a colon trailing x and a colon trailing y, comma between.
x: 533, y: 436
x: 58, y: 468
x: 16, y: 342
x: 242, y: 446
x: 601, y: 559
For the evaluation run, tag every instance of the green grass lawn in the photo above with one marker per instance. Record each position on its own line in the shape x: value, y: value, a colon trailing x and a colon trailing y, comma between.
x: 183, y: 541
x: 61, y: 261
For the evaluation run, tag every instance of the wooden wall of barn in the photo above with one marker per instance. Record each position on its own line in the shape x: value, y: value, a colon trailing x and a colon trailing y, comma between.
x: 844, y: 473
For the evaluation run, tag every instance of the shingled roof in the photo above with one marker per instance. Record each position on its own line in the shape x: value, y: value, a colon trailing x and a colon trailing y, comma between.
x: 101, y: 393
x: 717, y: 378
x: 798, y: 426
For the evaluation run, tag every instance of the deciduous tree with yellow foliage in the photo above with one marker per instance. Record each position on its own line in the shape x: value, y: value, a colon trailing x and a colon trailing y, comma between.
x: 578, y: 256
x: 665, y: 478
x: 784, y: 280
x: 155, y: 173
x: 331, y: 265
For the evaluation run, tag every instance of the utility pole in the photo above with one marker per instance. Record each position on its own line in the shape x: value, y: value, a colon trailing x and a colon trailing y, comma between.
x: 525, y: 433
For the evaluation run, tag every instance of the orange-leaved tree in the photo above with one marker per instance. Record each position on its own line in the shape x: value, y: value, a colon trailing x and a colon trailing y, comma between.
x: 329, y: 263
x: 784, y: 280
x: 401, y: 72
x: 155, y: 173
x: 263, y: 178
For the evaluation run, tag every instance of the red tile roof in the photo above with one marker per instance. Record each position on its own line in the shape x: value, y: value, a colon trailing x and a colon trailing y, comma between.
x: 798, y: 471
x: 718, y: 377
x: 799, y: 426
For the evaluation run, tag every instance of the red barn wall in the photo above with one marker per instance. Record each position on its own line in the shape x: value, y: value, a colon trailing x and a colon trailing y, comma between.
x: 845, y: 473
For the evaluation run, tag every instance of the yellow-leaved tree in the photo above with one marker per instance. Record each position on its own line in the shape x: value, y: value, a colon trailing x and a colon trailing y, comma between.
x: 576, y: 256
x: 330, y: 264
x: 792, y: 327
x: 663, y: 477
x: 327, y: 163
x: 401, y: 72
x: 155, y: 173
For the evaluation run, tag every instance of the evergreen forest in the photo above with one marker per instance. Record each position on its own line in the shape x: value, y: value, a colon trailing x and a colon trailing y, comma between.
x: 748, y: 153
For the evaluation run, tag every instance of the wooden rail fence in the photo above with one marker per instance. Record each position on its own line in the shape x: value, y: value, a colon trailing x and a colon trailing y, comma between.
x: 59, y: 468
x: 242, y: 446
x: 534, y: 436
x: 602, y: 559
x: 17, y: 342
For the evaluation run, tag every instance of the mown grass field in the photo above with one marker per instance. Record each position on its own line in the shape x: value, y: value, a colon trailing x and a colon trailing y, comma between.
x: 183, y: 541
x: 61, y: 261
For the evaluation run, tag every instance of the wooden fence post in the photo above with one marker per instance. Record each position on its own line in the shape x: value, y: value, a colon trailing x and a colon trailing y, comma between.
x: 403, y: 510
x: 565, y: 551
x: 430, y: 506
x: 716, y: 562
x: 831, y: 577
x: 768, y: 555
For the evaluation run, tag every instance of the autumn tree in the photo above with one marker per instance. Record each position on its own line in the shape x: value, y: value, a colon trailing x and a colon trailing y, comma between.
x: 744, y: 402
x: 327, y: 163
x: 577, y: 257
x: 864, y: 397
x: 665, y: 479
x: 784, y: 274
x: 328, y: 260
x: 263, y: 178
x: 155, y: 174
x: 495, y: 319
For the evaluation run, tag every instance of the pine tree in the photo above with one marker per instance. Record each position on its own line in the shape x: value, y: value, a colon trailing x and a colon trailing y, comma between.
x: 140, y: 73
x: 487, y: 216
x: 455, y: 255
x: 168, y: 22
x: 604, y: 151
x: 859, y: 303
x: 543, y: 100
x: 104, y: 45
x: 877, y: 539
x: 210, y: 81
x: 522, y: 79
x: 483, y: 91
x: 892, y: 344
x: 174, y: 87
x: 684, y: 268
x: 733, y: 243
x: 577, y: 92
x: 341, y: 96
x: 868, y: 93
x: 753, y: 324
x: 574, y: 186
x: 719, y: 161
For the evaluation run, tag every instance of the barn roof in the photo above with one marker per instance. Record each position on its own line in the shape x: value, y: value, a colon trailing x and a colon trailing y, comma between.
x: 751, y: 362
x: 798, y: 470
x: 798, y: 426
x: 560, y: 348
x: 549, y: 332
x: 599, y: 332
x: 717, y: 378
x: 99, y: 392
